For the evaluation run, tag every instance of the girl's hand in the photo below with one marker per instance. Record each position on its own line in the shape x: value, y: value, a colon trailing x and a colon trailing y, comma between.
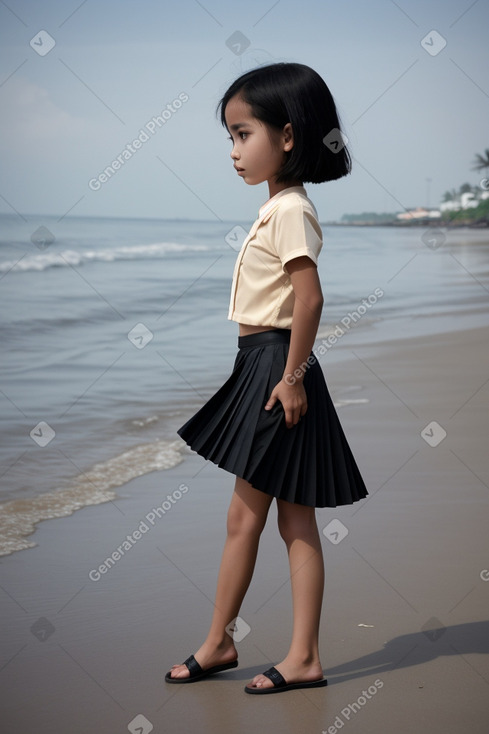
x: 293, y: 399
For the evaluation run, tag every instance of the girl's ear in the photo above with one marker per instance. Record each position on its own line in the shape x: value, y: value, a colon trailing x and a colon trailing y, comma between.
x: 288, y: 137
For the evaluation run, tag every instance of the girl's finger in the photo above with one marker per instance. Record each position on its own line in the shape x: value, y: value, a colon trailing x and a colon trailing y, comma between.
x: 291, y: 416
x: 288, y: 417
x: 271, y: 402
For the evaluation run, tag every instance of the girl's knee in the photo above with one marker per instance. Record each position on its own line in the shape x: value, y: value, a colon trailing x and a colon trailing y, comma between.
x: 243, y: 521
x: 248, y: 510
x: 296, y: 521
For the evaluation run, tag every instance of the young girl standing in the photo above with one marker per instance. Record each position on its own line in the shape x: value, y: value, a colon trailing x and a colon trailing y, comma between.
x: 272, y: 424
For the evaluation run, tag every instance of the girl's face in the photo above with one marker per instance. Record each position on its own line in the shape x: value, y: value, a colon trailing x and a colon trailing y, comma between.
x: 258, y: 151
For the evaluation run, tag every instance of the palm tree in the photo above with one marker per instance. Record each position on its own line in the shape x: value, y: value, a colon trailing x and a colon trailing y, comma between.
x: 481, y: 161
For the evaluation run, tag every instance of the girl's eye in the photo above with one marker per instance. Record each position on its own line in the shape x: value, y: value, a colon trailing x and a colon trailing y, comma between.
x: 230, y: 137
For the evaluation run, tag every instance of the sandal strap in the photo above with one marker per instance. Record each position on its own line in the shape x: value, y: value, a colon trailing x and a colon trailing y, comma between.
x: 193, y: 665
x: 276, y: 677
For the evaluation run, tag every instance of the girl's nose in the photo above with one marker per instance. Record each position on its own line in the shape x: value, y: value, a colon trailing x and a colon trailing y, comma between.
x: 234, y: 153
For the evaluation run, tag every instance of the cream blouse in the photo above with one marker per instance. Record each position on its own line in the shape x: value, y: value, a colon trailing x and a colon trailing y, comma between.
x: 287, y: 227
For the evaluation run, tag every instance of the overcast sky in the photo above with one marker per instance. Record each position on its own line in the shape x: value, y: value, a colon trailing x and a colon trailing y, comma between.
x: 412, y: 110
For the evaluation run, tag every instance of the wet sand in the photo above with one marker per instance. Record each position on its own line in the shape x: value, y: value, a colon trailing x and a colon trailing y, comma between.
x: 404, y: 635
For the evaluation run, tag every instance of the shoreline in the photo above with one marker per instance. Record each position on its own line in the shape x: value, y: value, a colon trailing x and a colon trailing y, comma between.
x: 405, y: 600
x: 420, y: 222
x: 416, y: 223
x: 22, y: 517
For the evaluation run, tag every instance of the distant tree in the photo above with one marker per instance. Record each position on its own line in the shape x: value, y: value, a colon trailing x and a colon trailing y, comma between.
x: 450, y: 195
x: 466, y: 188
x: 481, y: 161
x: 478, y: 215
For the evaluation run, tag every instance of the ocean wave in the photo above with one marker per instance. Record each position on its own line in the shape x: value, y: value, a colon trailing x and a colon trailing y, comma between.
x: 18, y: 518
x: 66, y: 258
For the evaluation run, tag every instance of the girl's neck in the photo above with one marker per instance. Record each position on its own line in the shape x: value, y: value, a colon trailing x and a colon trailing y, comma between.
x: 275, y: 188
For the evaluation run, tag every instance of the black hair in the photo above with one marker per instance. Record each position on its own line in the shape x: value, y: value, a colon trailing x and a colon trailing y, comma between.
x: 289, y: 92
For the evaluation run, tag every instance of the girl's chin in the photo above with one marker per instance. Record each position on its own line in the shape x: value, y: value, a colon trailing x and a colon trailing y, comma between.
x: 250, y: 180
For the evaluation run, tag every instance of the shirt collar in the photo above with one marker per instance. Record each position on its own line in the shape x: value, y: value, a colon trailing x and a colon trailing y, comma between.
x: 271, y: 202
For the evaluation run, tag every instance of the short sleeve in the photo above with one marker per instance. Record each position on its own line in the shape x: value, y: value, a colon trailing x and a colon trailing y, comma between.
x: 296, y: 233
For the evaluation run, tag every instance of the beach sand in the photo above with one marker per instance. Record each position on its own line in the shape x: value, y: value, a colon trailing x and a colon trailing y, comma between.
x: 404, y: 633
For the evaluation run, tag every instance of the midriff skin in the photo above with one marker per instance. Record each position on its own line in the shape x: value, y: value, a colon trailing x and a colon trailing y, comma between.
x: 245, y: 329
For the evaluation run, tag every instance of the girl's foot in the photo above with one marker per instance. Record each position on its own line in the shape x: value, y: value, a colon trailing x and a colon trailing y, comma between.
x: 293, y: 672
x: 208, y: 656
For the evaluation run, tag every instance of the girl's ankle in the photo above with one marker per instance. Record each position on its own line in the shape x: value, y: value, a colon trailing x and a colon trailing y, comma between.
x: 221, y: 644
x: 304, y: 659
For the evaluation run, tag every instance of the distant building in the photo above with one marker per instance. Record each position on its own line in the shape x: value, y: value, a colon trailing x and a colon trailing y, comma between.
x: 419, y: 213
x: 464, y: 201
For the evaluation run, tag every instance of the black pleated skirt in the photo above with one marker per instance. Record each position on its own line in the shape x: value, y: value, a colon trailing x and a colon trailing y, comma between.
x: 309, y: 464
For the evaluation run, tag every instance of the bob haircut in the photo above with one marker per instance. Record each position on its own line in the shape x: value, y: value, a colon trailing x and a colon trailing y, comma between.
x: 288, y: 92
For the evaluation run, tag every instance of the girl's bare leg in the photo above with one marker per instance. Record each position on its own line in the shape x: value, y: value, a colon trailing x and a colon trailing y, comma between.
x: 298, y: 528
x: 246, y: 519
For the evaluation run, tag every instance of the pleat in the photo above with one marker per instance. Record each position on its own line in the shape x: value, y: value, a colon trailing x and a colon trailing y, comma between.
x: 309, y: 464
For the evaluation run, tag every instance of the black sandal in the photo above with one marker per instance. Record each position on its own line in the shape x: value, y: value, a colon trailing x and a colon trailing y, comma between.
x: 198, y: 673
x: 280, y: 685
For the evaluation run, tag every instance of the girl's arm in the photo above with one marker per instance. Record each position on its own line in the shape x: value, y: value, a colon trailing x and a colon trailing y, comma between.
x: 305, y: 321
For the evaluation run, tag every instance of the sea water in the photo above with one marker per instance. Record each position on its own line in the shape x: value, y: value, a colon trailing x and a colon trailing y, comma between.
x: 114, y: 331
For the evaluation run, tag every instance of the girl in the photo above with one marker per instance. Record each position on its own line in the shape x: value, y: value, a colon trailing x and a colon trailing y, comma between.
x: 272, y: 424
